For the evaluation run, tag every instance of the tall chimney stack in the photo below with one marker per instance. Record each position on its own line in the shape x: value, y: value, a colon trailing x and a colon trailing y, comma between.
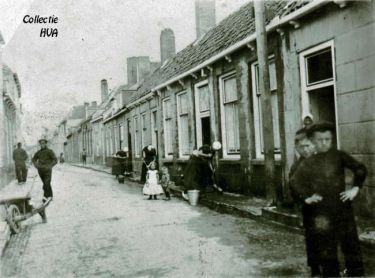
x: 205, y: 17
x: 167, y: 44
x: 104, y: 88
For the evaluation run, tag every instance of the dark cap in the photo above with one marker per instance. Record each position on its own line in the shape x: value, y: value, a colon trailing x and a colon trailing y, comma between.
x: 206, y: 149
x: 301, y: 131
x: 321, y: 127
x: 43, y: 140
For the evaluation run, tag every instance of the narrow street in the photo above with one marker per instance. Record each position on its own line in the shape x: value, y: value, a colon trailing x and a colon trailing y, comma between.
x: 97, y: 227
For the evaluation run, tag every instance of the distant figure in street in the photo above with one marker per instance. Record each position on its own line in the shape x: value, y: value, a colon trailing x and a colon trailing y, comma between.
x: 319, y: 183
x: 152, y: 187
x: 84, y: 156
x: 44, y: 160
x: 148, y: 155
x: 20, y: 157
x: 62, y: 160
x: 164, y: 181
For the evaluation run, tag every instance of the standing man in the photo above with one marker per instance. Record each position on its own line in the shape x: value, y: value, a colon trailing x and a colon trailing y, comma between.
x: 20, y: 157
x: 84, y: 155
x: 44, y: 160
x: 320, y: 183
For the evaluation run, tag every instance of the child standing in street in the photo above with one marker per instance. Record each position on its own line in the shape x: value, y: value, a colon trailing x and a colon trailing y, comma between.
x: 164, y: 180
x: 152, y: 186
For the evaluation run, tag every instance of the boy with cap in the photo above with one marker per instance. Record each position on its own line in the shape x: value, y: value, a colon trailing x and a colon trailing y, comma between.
x: 44, y: 160
x: 320, y: 184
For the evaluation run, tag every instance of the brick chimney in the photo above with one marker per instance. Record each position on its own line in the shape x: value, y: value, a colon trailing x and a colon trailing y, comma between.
x: 205, y: 17
x: 104, y: 89
x: 137, y: 68
x: 167, y: 44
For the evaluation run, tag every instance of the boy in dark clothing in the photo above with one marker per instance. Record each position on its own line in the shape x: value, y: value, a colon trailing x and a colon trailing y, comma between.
x: 20, y: 157
x: 44, y: 160
x: 319, y: 183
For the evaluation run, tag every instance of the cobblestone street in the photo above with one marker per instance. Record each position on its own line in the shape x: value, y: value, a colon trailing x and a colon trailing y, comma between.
x: 97, y: 227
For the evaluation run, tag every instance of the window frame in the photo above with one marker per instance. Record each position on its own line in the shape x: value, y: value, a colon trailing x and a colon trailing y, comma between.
x: 137, y: 151
x: 259, y: 153
x: 305, y: 88
x: 143, y: 129
x: 154, y: 127
x: 165, y: 134
x: 180, y: 154
x: 199, y: 115
x: 222, y: 78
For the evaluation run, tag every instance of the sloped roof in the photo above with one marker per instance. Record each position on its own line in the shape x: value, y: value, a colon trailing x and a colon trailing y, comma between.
x: 228, y: 32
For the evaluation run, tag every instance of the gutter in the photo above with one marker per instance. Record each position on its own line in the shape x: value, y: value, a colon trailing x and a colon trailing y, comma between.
x: 115, y: 115
x: 96, y: 119
x: 144, y: 98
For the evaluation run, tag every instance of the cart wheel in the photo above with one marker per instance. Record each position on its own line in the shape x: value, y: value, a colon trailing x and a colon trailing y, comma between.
x: 13, y: 211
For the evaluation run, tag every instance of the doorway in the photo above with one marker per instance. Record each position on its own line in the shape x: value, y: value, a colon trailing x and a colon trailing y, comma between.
x: 206, y: 131
x: 202, y: 113
x: 318, y: 84
x: 322, y: 104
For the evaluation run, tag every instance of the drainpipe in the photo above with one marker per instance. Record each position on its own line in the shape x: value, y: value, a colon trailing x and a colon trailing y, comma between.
x: 264, y: 84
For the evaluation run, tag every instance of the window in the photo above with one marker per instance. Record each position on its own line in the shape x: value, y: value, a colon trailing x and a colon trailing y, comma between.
x: 116, y: 133
x: 202, y: 113
x: 183, y: 124
x: 319, y: 67
x: 154, y: 128
x: 258, y: 123
x: 168, y: 128
x: 229, y: 116
x: 318, y: 85
x: 137, y: 137
x: 144, y: 129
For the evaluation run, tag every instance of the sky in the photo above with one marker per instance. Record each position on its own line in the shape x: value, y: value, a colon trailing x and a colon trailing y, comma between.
x: 94, y: 39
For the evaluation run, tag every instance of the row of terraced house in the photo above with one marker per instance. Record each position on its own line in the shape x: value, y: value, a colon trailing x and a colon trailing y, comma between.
x: 322, y: 59
x: 10, y: 118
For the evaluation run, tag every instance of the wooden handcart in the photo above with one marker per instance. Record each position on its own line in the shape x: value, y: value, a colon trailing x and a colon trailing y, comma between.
x: 18, y: 209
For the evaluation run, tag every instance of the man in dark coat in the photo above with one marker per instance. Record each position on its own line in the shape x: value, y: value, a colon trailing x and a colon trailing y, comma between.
x: 319, y: 182
x: 44, y: 160
x: 20, y: 157
x: 148, y: 155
